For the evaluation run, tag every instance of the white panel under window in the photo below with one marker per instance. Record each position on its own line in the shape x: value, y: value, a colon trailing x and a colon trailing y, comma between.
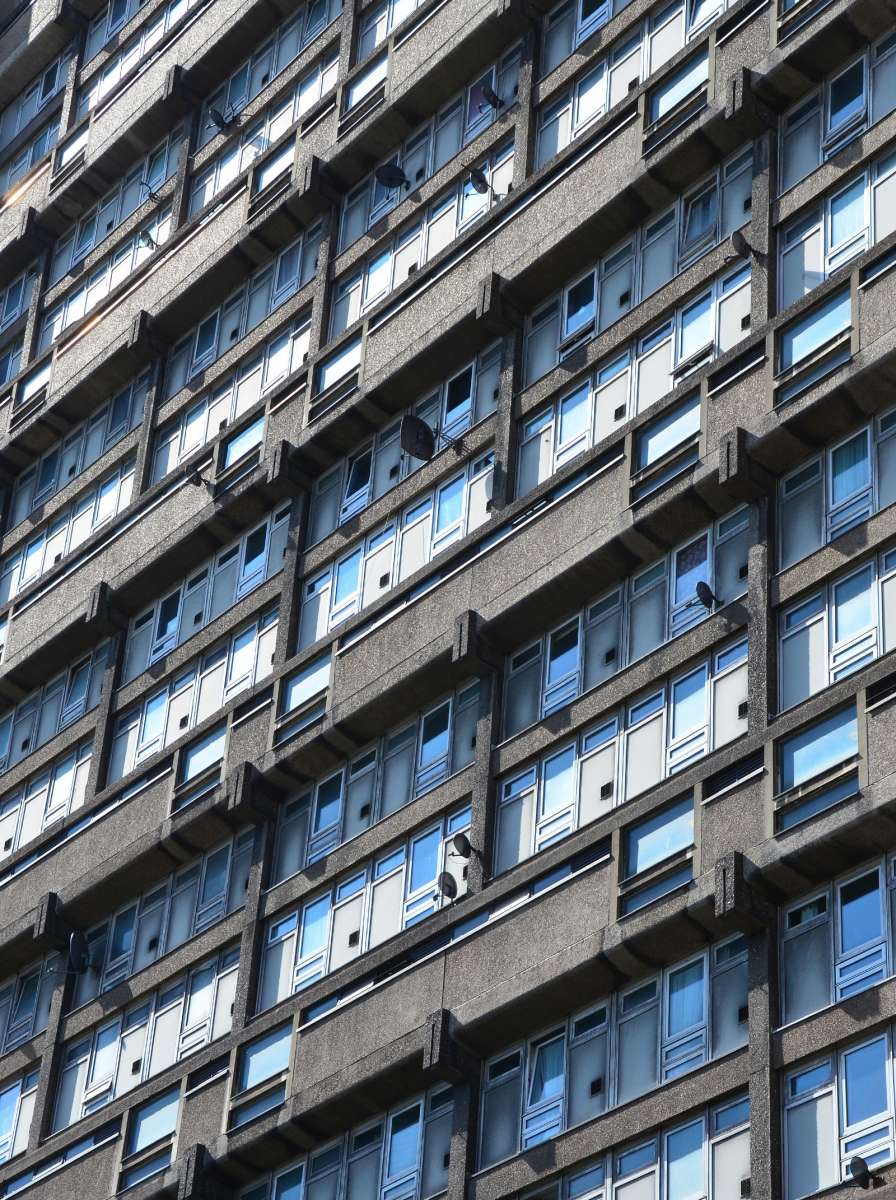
x: 811, y: 1147
x: 501, y: 1121
x: 637, y: 1071
x: 803, y: 665
x: 730, y: 1166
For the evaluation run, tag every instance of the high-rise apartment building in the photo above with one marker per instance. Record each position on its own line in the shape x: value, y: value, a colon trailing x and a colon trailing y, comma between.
x: 447, y: 584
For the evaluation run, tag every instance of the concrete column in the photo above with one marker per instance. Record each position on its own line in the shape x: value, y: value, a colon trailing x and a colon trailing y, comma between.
x: 251, y: 944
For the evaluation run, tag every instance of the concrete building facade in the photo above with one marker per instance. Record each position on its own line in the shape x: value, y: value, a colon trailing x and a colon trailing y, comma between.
x: 447, y: 580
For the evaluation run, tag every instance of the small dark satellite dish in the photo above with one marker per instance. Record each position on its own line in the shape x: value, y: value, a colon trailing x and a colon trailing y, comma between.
x: 78, y: 953
x: 490, y: 96
x: 416, y: 437
x: 479, y: 181
x: 461, y: 844
x: 740, y: 246
x: 705, y: 595
x: 390, y: 175
x: 447, y: 885
x: 860, y: 1172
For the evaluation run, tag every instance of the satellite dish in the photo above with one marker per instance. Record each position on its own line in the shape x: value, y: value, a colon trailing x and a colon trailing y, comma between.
x: 740, y: 246
x: 78, y: 953
x: 705, y: 596
x: 390, y: 175
x: 416, y: 437
x: 447, y: 885
x: 858, y: 1169
x: 461, y: 845
x: 478, y: 181
x: 491, y: 96
x: 218, y: 118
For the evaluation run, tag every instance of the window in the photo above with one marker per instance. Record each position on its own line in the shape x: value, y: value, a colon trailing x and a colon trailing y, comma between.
x: 634, y: 378
x: 105, y: 277
x: 820, y: 125
x: 662, y: 247
x: 49, y: 1166
x: 35, y: 97
x: 146, y: 177
x: 620, y: 1048
x: 569, y: 24
x: 413, y: 247
x: 366, y: 82
x: 391, y: 554
x: 379, y: 22
x: 612, y: 80
x: 379, y: 465
x: 203, y: 420
x: 816, y: 336
x: 52, y: 794
x: 15, y: 298
x: 430, y: 146
x: 165, y: 916
x: 835, y: 1107
x: 679, y: 86
x: 16, y: 1110
x: 829, y: 495
x: 242, y: 312
x: 37, y: 718
x: 381, y: 779
x: 339, y: 366
x: 622, y: 756
x: 196, y: 763
x: 193, y: 695
x: 67, y: 531
x: 146, y: 1038
x: 659, y: 837
x: 150, y: 1141
x: 627, y: 622
x: 10, y: 361
x: 260, y: 134
x: 837, y: 941
x: 70, y: 456
x: 259, y: 1062
x: 243, y: 443
x: 25, y: 1002
x: 404, y: 1150
x: 836, y: 631
x: 304, y: 698
x: 32, y: 152
x: 837, y: 230
x: 272, y: 58
x: 374, y: 902
x: 812, y: 755
x: 652, y: 843
x: 208, y: 591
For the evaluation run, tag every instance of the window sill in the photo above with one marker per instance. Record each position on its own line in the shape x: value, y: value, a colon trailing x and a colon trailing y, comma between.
x: 659, y: 131
x: 789, y: 803
x: 795, y: 380
x: 650, y: 479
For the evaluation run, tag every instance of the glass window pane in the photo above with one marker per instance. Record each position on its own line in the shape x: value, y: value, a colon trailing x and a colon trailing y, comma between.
x: 860, y: 912
x: 815, y: 750
x: 265, y: 1058
x: 865, y: 1082
x: 153, y: 1121
x: 659, y: 837
x: 684, y: 1156
x: 850, y: 468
